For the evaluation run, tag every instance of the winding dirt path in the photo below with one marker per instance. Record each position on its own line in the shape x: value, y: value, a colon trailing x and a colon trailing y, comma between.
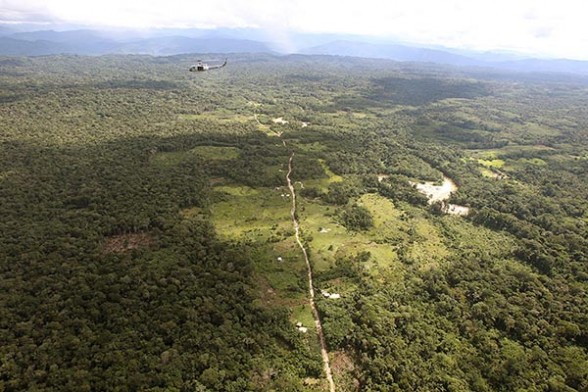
x: 315, y: 314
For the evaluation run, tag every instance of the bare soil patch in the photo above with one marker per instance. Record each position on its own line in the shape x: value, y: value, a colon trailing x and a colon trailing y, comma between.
x: 127, y: 242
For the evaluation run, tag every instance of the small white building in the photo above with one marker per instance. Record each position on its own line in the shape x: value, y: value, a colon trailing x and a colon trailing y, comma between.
x: 326, y: 294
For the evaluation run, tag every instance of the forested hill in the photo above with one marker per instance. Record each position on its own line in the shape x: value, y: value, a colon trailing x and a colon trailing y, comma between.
x: 166, y: 42
x: 146, y: 242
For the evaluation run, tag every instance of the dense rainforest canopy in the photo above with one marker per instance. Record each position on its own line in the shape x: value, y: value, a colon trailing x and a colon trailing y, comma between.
x: 146, y: 242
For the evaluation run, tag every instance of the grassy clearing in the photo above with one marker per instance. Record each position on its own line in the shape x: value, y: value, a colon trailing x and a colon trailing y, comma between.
x: 326, y: 233
x: 331, y: 241
x: 349, y: 114
x: 312, y: 147
x: 533, y: 161
x: 332, y: 176
x: 283, y: 285
x: 253, y: 214
x: 484, y: 154
x: 323, y: 183
x: 565, y: 158
x: 382, y: 257
x: 427, y: 249
x: 495, y: 163
x: 266, y: 129
x: 244, y: 191
x: 407, y: 230
x: 511, y: 148
x: 262, y: 216
x: 216, y: 153
x: 282, y: 282
x: 401, y: 235
x: 488, y: 173
x: 221, y: 116
x: 303, y: 314
x: 390, y: 222
x: 464, y: 235
x: 382, y: 209
x: 167, y: 159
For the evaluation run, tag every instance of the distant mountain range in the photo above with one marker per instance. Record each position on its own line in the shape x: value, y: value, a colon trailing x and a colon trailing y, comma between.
x: 89, y: 42
x: 389, y: 51
x: 505, y: 61
x: 171, y: 42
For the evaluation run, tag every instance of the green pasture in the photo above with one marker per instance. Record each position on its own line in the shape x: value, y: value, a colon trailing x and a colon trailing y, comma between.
x: 255, y: 214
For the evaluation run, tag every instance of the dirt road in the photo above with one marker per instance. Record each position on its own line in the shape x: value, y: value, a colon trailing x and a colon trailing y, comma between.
x: 315, y: 314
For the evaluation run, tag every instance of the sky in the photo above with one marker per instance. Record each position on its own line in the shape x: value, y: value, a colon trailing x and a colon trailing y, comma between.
x: 549, y: 28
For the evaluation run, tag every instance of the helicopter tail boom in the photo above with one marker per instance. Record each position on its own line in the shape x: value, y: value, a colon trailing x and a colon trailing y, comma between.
x: 218, y: 66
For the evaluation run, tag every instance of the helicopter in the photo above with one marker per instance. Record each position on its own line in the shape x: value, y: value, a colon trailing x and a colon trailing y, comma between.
x: 201, y: 67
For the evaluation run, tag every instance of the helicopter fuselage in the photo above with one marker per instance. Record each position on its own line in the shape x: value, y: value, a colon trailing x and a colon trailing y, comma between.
x: 201, y: 67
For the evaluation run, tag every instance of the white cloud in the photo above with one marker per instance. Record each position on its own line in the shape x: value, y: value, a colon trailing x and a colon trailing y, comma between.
x: 32, y: 11
x: 547, y: 27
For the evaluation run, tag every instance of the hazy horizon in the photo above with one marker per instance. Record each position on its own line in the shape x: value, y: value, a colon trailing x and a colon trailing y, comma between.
x: 542, y: 28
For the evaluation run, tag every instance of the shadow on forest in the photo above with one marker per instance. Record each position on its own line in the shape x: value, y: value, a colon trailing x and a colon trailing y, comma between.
x: 147, y: 300
x: 421, y: 91
x: 126, y: 185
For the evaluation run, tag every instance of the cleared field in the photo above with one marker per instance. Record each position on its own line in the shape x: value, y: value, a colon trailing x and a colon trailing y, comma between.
x: 376, y: 250
x: 256, y: 214
x: 218, y: 153
x: 496, y: 163
x: 324, y: 183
